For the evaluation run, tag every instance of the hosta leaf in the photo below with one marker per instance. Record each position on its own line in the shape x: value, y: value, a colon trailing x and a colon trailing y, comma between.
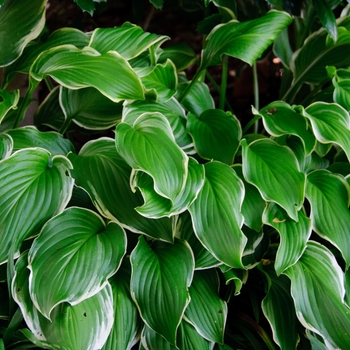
x: 21, y: 22
x: 8, y: 100
x: 162, y: 79
x: 92, y: 319
x: 6, y: 146
x: 279, y: 309
x: 69, y: 245
x: 277, y: 181
x: 280, y: 119
x: 331, y: 124
x: 34, y: 187
x: 215, y: 134
x: 216, y: 214
x: 180, y: 53
x: 75, y: 69
x: 103, y: 173
x: 153, y: 340
x: 89, y: 109
x: 149, y: 146
x: 188, y: 338
x: 238, y: 276
x: 119, y: 39
x: 161, y: 275
x: 156, y: 206
x: 328, y: 195
x: 246, y: 40
x: 293, y: 235
x: 326, y: 15
x: 206, y: 311
x: 127, y: 322
x: 341, y: 93
x: 30, y: 136
x: 319, y: 300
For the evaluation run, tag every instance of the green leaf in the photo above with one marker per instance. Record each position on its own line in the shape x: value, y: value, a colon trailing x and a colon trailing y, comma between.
x: 238, y: 276
x: 89, y: 108
x: 153, y: 340
x: 188, y: 338
x: 277, y: 181
x: 20, y: 23
x: 246, y: 40
x: 282, y: 48
x: 149, y: 146
x: 319, y: 300
x: 206, y: 311
x: 216, y: 214
x: 293, y: 235
x: 92, y: 319
x: 75, y: 69
x: 104, y: 174
x: 161, y: 275
x: 215, y: 134
x: 127, y: 322
x: 162, y: 79
x: 279, y: 309
x: 120, y: 38
x: 34, y: 187
x: 326, y: 15
x: 30, y: 136
x: 69, y: 245
x: 156, y: 206
x: 6, y: 146
x: 88, y: 5
x: 280, y: 119
x: 180, y: 53
x: 158, y: 4
x: 331, y: 124
x: 341, y: 93
x: 8, y: 101
x: 329, y: 195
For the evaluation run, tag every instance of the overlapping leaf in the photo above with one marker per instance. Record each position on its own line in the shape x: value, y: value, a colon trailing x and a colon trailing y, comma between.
x: 216, y: 214
x: 188, y: 338
x: 6, y: 146
x: 8, y: 100
x: 33, y: 188
x: 161, y: 275
x: 149, y: 146
x: 80, y: 251
x: 273, y: 169
x: 79, y: 68
x: 180, y: 53
x: 319, y: 300
x: 153, y: 340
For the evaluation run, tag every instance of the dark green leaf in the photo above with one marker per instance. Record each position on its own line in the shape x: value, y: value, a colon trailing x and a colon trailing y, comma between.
x: 180, y: 53
x: 188, y: 338
x: 6, y: 146
x: 8, y: 100
x: 326, y: 15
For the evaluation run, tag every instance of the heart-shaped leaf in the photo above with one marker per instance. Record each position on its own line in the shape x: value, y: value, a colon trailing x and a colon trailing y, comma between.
x: 161, y: 275
x: 215, y: 134
x: 318, y: 300
x: 33, y: 188
x: 157, y: 153
x: 328, y: 195
x: 75, y: 69
x: 277, y: 181
x: 69, y: 245
x: 216, y: 214
x: 21, y: 22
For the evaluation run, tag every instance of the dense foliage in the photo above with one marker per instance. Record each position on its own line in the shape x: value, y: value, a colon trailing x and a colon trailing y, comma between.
x: 184, y: 229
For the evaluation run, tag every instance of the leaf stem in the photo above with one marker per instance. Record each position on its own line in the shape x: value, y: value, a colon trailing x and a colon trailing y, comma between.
x: 189, y: 86
x: 256, y: 96
x: 49, y: 84
x: 223, y: 81
x: 251, y: 122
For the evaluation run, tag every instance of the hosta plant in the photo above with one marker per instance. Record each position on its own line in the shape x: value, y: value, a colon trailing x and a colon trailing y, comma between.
x: 175, y: 225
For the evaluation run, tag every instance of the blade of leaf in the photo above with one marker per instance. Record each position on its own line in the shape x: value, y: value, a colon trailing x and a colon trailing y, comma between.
x: 6, y: 146
x: 188, y: 338
x: 8, y: 100
x: 326, y: 15
x: 153, y: 340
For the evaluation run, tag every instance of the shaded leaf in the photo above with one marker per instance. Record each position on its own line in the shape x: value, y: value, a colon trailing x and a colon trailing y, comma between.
x: 180, y: 53
x: 8, y: 101
x: 326, y: 15
x: 153, y: 340
x: 88, y: 5
x: 188, y: 338
x: 6, y: 146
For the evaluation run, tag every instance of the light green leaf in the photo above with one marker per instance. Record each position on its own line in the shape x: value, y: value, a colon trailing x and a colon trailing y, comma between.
x: 293, y: 235
x: 331, y: 124
x: 279, y: 309
x: 161, y: 275
x: 69, y: 245
x: 127, y: 322
x: 21, y: 22
x: 188, y: 338
x: 162, y: 79
x: 92, y: 319
x: 316, y: 341
x: 8, y: 100
x: 329, y: 195
x: 246, y: 40
x: 279, y: 119
x: 156, y: 206
x: 216, y: 214
x: 34, y: 187
x: 277, y: 181
x: 153, y: 340
x: 6, y: 146
x: 89, y: 109
x: 75, y: 69
x: 215, y: 134
x: 104, y: 174
x: 319, y: 300
x: 180, y: 53
x: 120, y: 38
x: 149, y: 146
x: 30, y: 136
x: 206, y: 311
